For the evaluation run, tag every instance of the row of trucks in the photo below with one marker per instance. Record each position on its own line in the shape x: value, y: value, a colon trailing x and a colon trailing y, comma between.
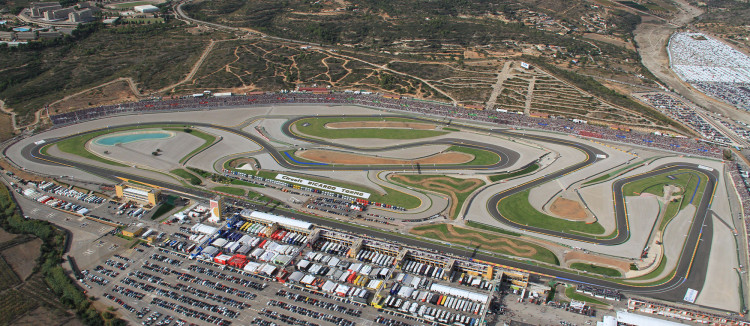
x: 69, y: 192
x: 448, y: 301
x: 429, y: 313
x: 62, y: 204
x: 181, y: 246
x: 332, y: 248
x: 423, y: 269
x: 278, y: 235
x: 289, y: 237
x: 470, y: 280
x: 375, y: 257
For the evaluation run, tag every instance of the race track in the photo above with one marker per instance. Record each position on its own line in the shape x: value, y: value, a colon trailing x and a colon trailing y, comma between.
x: 690, y: 270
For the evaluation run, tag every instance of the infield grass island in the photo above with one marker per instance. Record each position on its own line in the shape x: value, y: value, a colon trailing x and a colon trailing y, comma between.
x: 76, y: 145
x: 691, y: 183
x: 601, y: 270
x: 316, y: 127
x: 456, y: 189
x: 516, y: 208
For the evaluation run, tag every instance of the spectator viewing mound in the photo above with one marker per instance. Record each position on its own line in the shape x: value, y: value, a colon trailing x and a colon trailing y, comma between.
x: 486, y: 241
x: 334, y: 157
x: 457, y: 189
x: 380, y: 124
x: 568, y: 209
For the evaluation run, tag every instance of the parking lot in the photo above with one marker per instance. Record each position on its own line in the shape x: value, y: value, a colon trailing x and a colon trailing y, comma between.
x: 163, y: 283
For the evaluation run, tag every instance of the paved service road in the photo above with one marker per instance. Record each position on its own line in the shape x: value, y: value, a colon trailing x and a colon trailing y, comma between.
x: 690, y: 271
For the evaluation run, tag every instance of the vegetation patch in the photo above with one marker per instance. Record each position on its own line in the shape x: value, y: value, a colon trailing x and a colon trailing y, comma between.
x: 165, y: 207
x: 486, y: 241
x: 503, y: 176
x: 182, y: 173
x: 571, y: 293
x: 517, y: 208
x: 601, y: 270
x: 244, y: 183
x: 231, y: 190
x: 49, y: 279
x: 481, y: 156
x: 316, y: 127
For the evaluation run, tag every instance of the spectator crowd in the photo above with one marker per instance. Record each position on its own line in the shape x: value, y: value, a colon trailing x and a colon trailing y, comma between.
x: 511, y: 120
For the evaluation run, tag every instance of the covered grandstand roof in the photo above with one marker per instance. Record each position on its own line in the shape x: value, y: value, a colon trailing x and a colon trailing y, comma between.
x: 270, y: 218
x: 459, y: 292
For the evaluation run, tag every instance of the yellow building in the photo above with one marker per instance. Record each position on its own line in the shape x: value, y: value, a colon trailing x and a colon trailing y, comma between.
x: 132, y: 231
x: 138, y: 194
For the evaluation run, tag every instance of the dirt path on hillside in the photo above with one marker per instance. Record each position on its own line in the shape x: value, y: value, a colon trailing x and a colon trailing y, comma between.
x: 334, y: 157
x: 438, y: 184
x: 477, y: 239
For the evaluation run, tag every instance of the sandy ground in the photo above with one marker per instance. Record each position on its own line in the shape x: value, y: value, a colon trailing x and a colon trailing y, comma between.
x: 722, y: 281
x: 578, y: 256
x: 642, y: 214
x: 273, y: 131
x: 569, y: 209
x: 674, y: 238
x: 54, y: 151
x: 336, y: 157
x: 380, y: 124
x: 230, y: 145
x: 599, y: 201
x: 22, y: 258
x: 6, y: 236
x: 566, y: 156
x: 6, y: 126
x: 46, y: 316
x: 721, y: 277
x: 139, y: 152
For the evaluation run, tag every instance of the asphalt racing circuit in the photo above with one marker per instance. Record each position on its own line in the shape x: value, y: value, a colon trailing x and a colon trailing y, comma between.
x: 689, y: 273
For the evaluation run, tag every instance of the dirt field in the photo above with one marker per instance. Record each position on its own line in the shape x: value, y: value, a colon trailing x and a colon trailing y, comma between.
x: 568, y: 209
x: 609, y: 39
x: 443, y: 185
x: 22, y: 258
x: 577, y: 256
x: 6, y: 126
x: 333, y: 157
x: 380, y: 124
x: 46, y: 316
x: 5, y: 236
x: 113, y: 93
x: 487, y: 244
